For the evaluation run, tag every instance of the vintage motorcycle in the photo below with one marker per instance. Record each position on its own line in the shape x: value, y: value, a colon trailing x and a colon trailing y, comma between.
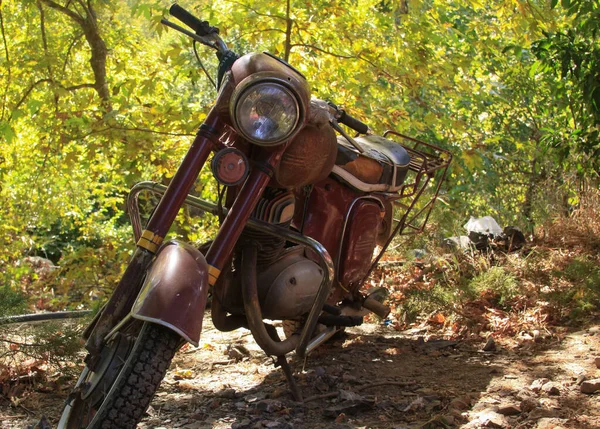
x: 302, y: 215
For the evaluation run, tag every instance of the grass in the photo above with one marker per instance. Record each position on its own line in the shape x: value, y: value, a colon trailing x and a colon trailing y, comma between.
x: 554, y: 280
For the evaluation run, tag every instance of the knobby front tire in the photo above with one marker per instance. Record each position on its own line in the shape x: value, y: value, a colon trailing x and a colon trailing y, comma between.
x: 122, y: 404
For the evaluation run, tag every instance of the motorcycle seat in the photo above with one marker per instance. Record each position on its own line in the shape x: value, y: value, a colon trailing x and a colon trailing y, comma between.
x: 381, y: 167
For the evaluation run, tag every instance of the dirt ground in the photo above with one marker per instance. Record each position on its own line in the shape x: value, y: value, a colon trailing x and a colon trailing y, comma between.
x: 371, y: 377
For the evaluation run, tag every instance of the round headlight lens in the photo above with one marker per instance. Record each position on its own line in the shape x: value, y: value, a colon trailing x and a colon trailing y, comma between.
x: 266, y: 113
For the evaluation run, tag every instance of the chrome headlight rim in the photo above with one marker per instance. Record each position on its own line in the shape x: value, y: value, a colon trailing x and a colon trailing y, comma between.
x: 250, y: 84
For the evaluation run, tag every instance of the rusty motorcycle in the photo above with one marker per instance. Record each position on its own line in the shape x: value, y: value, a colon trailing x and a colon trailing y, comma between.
x: 305, y: 209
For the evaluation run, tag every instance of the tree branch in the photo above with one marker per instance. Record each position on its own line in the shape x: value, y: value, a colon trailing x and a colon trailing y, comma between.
x: 289, y: 22
x: 76, y: 87
x: 74, y: 16
x: 8, y: 78
x: 28, y: 91
x: 316, y: 48
x: 71, y: 46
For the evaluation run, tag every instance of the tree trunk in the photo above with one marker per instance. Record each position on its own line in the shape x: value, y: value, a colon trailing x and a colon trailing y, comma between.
x: 89, y: 25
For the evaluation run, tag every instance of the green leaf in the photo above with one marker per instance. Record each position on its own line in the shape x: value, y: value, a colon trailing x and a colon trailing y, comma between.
x: 7, y: 131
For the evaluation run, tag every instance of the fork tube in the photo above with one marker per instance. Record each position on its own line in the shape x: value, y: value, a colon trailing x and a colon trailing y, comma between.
x: 240, y: 211
x: 126, y: 291
x: 168, y: 207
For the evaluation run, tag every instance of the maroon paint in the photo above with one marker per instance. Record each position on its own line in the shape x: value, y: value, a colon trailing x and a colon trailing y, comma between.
x: 186, y: 175
x: 245, y: 202
x: 359, y: 243
x: 175, y: 290
x: 324, y: 221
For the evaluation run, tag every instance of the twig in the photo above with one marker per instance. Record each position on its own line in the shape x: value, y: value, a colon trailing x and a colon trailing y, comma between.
x: 26, y: 318
x: 359, y: 389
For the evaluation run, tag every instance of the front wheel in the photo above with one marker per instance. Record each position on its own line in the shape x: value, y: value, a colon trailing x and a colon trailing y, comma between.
x: 119, y: 389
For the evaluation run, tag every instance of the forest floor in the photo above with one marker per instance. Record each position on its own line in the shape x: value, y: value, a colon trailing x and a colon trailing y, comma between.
x: 373, y: 376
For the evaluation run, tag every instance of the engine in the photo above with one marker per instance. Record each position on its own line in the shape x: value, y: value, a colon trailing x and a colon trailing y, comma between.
x: 287, y: 280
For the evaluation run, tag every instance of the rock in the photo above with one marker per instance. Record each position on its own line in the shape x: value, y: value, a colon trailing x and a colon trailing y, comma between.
x: 536, y: 385
x: 461, y: 404
x: 346, y: 395
x: 550, y: 423
x: 550, y: 389
x: 529, y: 404
x: 269, y: 405
x: 509, y: 410
x: 580, y: 379
x: 227, y: 394
x: 590, y: 386
x: 536, y: 336
x: 493, y: 420
x: 490, y: 345
x: 597, y: 362
x: 540, y: 413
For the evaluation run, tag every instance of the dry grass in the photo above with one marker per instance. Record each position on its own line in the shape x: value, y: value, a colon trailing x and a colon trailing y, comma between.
x: 554, y: 280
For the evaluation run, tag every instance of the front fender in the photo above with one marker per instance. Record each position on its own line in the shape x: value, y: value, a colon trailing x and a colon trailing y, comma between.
x: 175, y: 291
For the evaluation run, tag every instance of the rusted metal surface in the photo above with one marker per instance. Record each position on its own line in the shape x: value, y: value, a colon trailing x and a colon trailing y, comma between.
x: 360, y: 236
x: 309, y: 157
x: 324, y: 217
x: 287, y: 286
x: 175, y: 291
x: 253, y: 310
x: 237, y: 217
x: 320, y: 252
x: 376, y: 307
x: 126, y: 291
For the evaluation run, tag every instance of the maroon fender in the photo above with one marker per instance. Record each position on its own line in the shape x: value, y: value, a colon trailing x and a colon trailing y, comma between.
x: 175, y: 291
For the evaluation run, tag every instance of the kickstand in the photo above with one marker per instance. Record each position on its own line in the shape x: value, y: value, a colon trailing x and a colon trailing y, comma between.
x: 282, y: 362
x: 285, y: 366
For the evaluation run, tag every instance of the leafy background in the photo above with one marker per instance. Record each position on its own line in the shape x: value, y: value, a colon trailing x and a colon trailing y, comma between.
x: 96, y: 96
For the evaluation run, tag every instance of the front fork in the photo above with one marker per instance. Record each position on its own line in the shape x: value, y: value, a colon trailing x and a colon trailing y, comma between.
x: 126, y: 292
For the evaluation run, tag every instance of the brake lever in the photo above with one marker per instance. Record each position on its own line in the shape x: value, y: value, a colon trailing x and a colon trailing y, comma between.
x: 212, y: 40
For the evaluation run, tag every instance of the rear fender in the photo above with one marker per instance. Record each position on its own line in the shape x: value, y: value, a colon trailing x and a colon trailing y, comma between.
x: 175, y: 290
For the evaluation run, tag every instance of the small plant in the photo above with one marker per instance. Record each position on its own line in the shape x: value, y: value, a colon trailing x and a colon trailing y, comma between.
x: 495, y: 282
x: 577, y: 287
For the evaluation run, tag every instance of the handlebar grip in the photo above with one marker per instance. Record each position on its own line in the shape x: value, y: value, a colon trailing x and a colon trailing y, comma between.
x: 187, y: 18
x: 353, y: 123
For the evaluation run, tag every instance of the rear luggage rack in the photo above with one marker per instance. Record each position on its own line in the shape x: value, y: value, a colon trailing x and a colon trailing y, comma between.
x: 429, y: 166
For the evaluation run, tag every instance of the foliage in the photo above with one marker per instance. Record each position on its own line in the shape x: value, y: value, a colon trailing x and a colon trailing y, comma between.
x: 97, y: 96
x: 572, y: 56
x: 555, y: 279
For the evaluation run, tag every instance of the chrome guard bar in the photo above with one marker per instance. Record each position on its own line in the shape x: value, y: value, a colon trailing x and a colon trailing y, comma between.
x: 324, y: 259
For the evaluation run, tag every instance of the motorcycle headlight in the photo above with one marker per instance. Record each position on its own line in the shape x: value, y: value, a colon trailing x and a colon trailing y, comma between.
x: 265, y: 112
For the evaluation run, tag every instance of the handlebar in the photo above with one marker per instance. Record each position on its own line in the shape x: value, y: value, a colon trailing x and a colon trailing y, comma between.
x: 344, y: 118
x: 201, y: 28
x: 353, y: 123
